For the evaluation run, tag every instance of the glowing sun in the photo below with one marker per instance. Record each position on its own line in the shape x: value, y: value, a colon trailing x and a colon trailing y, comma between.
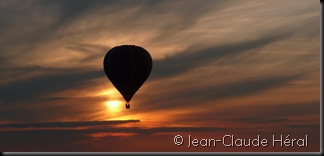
x: 114, y: 106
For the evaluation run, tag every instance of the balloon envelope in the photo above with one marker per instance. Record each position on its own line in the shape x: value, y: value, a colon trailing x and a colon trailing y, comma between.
x: 127, y: 67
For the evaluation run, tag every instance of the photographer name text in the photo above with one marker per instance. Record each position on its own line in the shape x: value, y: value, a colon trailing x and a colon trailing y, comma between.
x: 233, y: 141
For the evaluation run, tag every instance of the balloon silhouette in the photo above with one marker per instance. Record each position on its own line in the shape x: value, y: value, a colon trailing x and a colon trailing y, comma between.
x: 127, y: 67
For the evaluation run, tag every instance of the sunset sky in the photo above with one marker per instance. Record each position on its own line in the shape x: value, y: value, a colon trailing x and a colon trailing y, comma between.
x: 242, y: 68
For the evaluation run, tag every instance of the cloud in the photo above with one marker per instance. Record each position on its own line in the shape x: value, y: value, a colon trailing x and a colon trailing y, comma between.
x: 49, y: 24
x: 54, y: 20
x: 31, y: 89
x: 212, y: 92
x: 65, y: 124
x: 90, y: 52
x: 288, y: 110
x: 72, y: 138
x: 263, y: 120
x: 189, y: 59
x: 102, y: 138
x: 137, y: 130
x: 260, y: 115
x: 304, y: 126
x: 92, y: 127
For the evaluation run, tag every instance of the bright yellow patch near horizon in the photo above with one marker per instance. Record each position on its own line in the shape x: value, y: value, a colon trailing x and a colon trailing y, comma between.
x: 112, y: 93
x: 114, y: 106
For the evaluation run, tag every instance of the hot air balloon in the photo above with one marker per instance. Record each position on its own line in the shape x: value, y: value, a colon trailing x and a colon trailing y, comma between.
x: 127, y: 67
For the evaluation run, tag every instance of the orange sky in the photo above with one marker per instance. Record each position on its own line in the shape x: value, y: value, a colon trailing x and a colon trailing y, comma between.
x: 220, y: 68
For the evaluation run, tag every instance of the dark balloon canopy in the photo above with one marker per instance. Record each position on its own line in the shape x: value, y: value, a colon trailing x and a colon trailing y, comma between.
x: 127, y: 67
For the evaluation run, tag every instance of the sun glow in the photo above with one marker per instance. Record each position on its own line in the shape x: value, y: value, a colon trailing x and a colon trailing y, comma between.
x: 112, y: 93
x: 114, y: 106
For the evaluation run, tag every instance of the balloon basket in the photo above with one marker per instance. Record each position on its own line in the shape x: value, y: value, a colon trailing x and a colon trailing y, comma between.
x: 127, y: 106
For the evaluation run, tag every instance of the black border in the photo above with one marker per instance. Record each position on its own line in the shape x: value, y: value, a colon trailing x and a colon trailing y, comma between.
x: 162, y: 153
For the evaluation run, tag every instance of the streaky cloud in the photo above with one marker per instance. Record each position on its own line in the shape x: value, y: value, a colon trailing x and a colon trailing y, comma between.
x: 65, y: 124
x: 30, y: 89
x: 214, y: 92
x: 189, y: 59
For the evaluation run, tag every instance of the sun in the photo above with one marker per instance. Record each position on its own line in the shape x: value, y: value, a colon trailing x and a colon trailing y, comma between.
x: 113, y: 106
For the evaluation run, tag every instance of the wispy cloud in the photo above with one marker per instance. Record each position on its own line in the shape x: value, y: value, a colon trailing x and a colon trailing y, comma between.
x: 38, y: 86
x: 189, y: 59
x: 64, y: 124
